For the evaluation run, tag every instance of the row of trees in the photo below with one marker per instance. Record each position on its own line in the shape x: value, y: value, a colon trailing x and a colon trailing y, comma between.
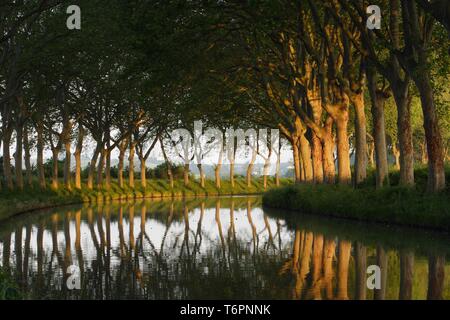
x: 138, y: 69
x: 312, y: 67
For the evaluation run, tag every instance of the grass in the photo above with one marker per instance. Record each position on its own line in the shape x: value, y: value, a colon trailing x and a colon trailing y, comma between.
x: 8, y: 287
x: 392, y: 205
x: 15, y: 202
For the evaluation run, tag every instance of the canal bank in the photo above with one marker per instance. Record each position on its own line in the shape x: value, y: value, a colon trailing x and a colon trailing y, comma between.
x: 391, y: 205
x: 31, y: 199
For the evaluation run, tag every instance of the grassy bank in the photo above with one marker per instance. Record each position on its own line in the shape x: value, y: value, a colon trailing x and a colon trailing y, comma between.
x: 392, y: 205
x: 12, y: 203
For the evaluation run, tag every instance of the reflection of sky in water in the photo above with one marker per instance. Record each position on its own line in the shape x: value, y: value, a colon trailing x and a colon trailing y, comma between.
x: 265, y: 247
x: 155, y: 231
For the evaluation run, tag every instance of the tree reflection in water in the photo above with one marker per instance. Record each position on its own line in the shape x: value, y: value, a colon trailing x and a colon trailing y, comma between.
x: 211, y: 248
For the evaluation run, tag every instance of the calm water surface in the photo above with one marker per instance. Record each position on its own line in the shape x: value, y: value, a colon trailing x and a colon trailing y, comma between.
x: 216, y: 248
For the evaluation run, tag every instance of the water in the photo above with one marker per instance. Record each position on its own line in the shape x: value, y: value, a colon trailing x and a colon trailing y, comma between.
x: 218, y: 248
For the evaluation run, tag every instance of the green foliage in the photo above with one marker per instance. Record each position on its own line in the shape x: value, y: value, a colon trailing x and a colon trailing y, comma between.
x: 14, y: 202
x: 8, y: 288
x: 395, y: 205
x: 48, y: 167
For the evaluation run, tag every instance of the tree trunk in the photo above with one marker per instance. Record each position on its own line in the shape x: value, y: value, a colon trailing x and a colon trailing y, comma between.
x: 266, y: 171
x: 423, y: 153
x: 169, y: 168
x: 371, y: 153
x: 436, y: 172
x: 277, y: 167
x: 202, y: 175
x: 396, y: 153
x: 217, y: 175
x: 329, y: 167
x: 77, y: 155
x: 361, y: 140
x: 100, y: 166
x: 40, y: 155
x: 232, y: 173
x: 108, y: 168
x: 55, y: 153
x: 296, y: 159
x: 90, y: 182
x: 379, y: 132
x: 131, y: 165
x: 186, y: 174
x: 218, y: 167
x: 343, y: 150
x: 67, y: 165
x: 317, y: 159
x: 305, y: 151
x: 26, y: 146
x: 250, y: 169
x: 143, y: 173
x: 122, y: 150
x: 18, y: 157
x: 403, y: 102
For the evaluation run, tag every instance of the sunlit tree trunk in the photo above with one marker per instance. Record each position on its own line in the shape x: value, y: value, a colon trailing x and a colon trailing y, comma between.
x: 371, y: 154
x: 423, y: 153
x: 296, y: 159
x: 317, y: 159
x: 329, y: 167
x: 305, y: 151
x: 343, y: 149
